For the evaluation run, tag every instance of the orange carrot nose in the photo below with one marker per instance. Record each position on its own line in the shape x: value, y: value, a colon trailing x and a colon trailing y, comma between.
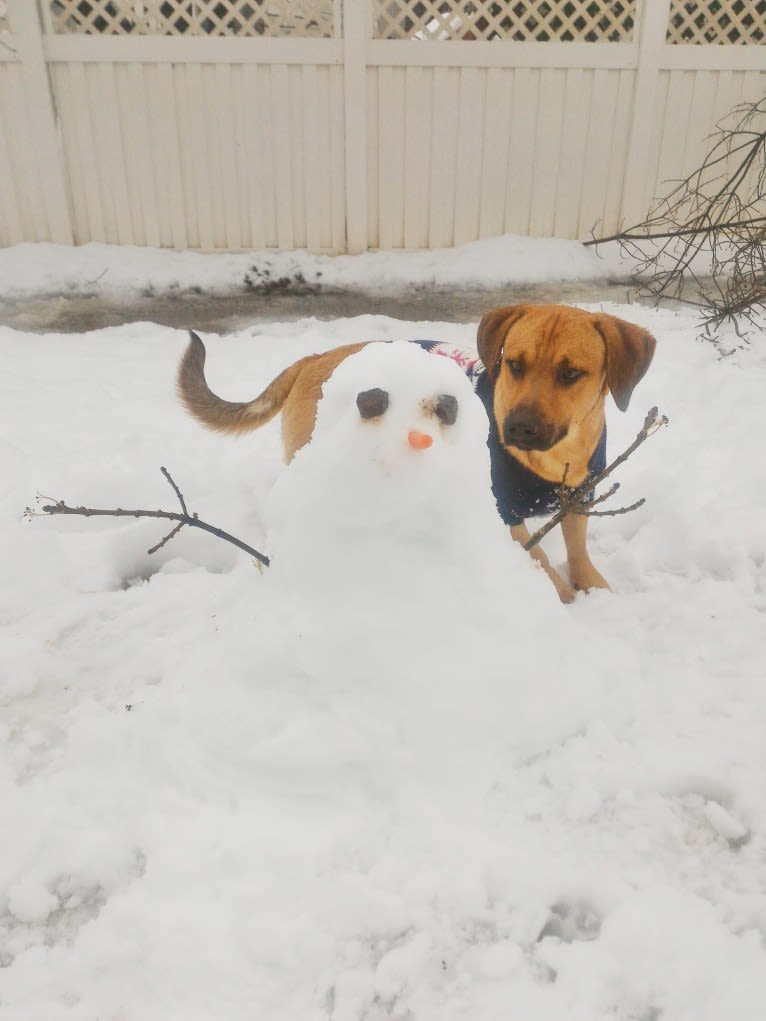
x: 419, y: 441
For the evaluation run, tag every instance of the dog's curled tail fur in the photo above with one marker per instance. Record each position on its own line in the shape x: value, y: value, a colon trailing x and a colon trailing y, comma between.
x: 228, y: 416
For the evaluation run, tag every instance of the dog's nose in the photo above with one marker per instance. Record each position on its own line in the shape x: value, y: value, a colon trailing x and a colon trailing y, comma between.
x: 521, y: 430
x: 419, y: 441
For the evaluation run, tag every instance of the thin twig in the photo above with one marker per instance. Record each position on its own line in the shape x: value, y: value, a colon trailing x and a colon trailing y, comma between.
x: 167, y: 538
x: 176, y: 490
x: 652, y: 423
x: 639, y: 235
x: 579, y: 500
x: 604, y: 496
x: 99, y: 277
x: 184, y: 518
x: 611, y: 513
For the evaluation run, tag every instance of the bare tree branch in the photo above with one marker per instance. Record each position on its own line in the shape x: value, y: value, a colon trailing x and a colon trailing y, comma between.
x: 184, y: 518
x: 580, y: 501
x: 707, y: 236
x: 628, y: 235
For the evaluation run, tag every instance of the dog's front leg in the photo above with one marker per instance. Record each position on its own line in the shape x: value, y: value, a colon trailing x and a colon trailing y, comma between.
x: 521, y: 534
x: 582, y: 573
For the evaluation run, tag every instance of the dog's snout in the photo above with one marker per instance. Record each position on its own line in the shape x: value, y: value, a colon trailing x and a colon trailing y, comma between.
x: 525, y: 430
x: 521, y: 430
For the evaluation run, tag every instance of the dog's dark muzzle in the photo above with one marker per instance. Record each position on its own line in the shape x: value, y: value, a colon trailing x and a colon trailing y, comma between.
x: 526, y: 431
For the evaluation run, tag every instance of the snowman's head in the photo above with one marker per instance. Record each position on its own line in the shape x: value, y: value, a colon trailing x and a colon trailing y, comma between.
x: 397, y: 400
x: 399, y: 432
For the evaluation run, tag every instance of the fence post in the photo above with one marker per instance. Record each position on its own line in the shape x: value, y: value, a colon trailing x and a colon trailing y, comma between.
x: 27, y: 30
x: 637, y: 184
x: 357, y: 27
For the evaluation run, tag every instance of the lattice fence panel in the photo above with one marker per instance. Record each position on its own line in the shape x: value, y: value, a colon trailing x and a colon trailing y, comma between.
x: 522, y: 20
x: 717, y: 22
x: 312, y: 18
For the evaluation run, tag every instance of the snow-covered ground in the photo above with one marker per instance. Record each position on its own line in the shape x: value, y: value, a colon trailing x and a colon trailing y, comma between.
x: 390, y: 777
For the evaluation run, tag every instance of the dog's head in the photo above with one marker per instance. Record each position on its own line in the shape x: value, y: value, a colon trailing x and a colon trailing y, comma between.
x: 551, y: 367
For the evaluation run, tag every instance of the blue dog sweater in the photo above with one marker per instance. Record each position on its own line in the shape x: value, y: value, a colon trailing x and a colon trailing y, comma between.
x: 518, y: 492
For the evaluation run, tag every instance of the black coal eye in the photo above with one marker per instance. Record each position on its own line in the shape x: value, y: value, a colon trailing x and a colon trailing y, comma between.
x: 446, y: 409
x: 372, y: 403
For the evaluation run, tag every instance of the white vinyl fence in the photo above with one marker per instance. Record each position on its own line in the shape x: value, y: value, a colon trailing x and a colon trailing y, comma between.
x: 346, y: 125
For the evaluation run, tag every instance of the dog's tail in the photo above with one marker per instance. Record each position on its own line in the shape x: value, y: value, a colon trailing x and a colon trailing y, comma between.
x: 228, y: 416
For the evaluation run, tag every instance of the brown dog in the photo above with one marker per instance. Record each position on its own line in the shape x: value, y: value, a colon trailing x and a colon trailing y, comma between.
x: 548, y: 371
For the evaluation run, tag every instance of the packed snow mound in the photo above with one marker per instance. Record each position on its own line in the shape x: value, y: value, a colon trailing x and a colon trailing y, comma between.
x: 404, y: 551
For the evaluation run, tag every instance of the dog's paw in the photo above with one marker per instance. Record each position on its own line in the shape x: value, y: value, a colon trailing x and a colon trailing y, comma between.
x: 584, y: 576
x: 566, y: 592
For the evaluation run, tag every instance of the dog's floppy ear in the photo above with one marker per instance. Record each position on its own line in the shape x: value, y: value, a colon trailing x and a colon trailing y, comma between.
x: 629, y: 352
x: 492, y: 330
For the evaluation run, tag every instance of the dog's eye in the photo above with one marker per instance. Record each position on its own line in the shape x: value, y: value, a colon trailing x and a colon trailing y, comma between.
x: 446, y: 409
x: 516, y: 367
x: 569, y: 375
x: 372, y: 403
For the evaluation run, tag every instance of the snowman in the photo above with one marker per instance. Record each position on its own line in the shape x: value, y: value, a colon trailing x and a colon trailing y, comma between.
x: 405, y: 610
x: 393, y: 490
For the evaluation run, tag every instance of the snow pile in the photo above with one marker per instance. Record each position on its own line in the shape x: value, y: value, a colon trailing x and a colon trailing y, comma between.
x: 404, y: 551
x: 45, y: 269
x: 390, y: 777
